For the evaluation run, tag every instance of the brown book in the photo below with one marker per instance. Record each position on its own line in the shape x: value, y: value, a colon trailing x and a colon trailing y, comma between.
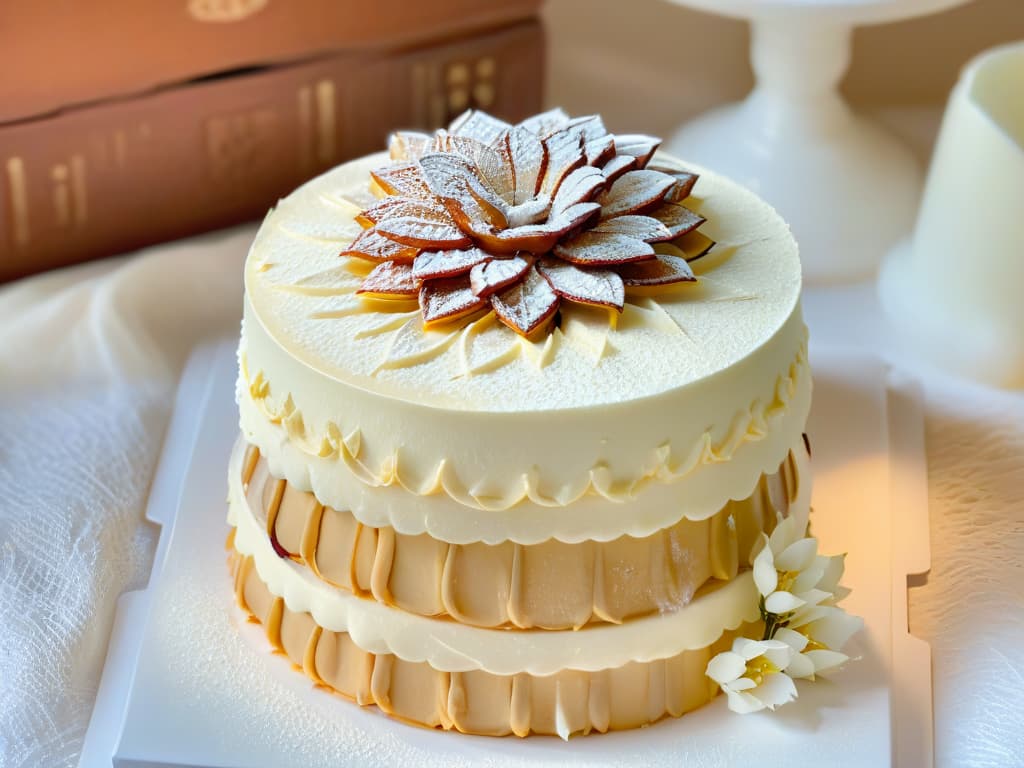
x: 113, y: 177
x: 85, y: 52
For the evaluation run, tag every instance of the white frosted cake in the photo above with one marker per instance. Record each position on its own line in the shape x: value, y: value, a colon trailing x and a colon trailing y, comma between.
x: 513, y: 430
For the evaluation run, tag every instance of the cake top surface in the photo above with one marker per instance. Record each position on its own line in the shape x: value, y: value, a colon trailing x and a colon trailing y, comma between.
x: 339, y: 315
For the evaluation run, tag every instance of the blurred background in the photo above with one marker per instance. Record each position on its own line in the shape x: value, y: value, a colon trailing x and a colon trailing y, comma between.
x: 141, y: 123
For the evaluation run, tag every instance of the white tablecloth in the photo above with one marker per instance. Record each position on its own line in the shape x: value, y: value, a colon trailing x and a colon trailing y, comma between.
x: 88, y: 364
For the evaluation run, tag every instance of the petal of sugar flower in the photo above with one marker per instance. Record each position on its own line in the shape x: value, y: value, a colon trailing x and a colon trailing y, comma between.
x: 777, y: 652
x: 527, y: 305
x: 792, y: 638
x: 765, y: 576
x: 801, y: 667
x: 743, y: 703
x: 493, y: 275
x: 776, y: 690
x: 833, y: 628
x: 725, y: 667
x: 782, y: 602
x: 785, y: 533
x: 634, y: 192
x: 592, y: 248
x: 430, y: 265
x: 833, y: 568
x: 826, y: 661
x: 741, y: 683
x: 601, y: 287
x: 797, y: 556
x: 747, y: 648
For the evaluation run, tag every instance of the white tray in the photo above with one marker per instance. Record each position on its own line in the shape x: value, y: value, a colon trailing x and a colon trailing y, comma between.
x: 183, y: 686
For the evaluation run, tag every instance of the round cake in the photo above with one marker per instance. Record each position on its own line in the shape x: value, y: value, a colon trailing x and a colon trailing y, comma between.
x: 518, y: 405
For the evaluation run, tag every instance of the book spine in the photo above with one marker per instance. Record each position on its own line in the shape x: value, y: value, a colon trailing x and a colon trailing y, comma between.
x: 106, y: 179
x: 80, y: 56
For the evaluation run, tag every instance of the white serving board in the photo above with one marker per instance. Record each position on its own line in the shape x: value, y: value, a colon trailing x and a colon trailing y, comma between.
x: 187, y: 683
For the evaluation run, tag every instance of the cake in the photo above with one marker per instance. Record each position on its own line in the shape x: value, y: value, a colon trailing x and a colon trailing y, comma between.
x: 522, y: 430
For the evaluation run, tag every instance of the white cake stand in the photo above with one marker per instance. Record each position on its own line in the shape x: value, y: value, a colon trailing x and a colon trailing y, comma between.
x: 848, y: 189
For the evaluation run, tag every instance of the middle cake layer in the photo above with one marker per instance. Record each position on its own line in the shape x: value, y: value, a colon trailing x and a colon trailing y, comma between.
x: 551, y: 585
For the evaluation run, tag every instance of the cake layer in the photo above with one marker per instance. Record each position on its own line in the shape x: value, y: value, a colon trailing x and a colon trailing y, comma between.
x: 563, y: 703
x: 453, y: 647
x: 604, y: 406
x: 711, y: 476
x: 513, y: 584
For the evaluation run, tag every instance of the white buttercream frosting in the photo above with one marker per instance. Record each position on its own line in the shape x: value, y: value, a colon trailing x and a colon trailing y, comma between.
x: 681, y: 402
x: 452, y: 647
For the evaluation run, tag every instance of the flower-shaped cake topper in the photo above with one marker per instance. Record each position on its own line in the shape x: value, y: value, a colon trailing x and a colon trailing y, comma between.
x: 521, y: 218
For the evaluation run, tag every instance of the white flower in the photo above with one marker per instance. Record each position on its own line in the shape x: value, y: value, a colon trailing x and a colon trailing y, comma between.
x: 816, y: 635
x: 753, y: 674
x: 788, y: 571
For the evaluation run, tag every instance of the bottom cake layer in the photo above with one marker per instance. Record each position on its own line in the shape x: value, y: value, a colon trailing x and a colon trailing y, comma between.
x: 480, y: 702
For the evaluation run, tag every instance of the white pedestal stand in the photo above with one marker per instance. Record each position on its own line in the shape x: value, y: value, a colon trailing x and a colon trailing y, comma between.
x: 848, y: 189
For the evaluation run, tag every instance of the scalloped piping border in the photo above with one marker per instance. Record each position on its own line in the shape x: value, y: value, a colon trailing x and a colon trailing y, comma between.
x: 452, y: 647
x: 750, y: 425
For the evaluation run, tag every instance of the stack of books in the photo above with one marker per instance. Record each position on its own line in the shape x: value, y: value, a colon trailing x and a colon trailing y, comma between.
x: 146, y: 122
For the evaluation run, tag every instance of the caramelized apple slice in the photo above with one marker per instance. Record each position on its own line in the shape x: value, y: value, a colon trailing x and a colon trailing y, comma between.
x: 564, y: 153
x: 695, y: 244
x: 539, y: 238
x: 580, y: 186
x: 448, y: 299
x: 617, y: 166
x: 405, y: 179
x: 478, y: 125
x: 527, y: 305
x: 393, y: 207
x: 546, y: 123
x: 635, y: 192
x: 526, y: 153
x: 491, y: 276
x: 390, y: 279
x: 661, y: 270
x: 373, y: 246
x: 601, y: 287
x: 452, y: 178
x: 595, y: 249
x: 431, y: 265
x: 684, y: 183
x: 409, y: 145
x: 645, y: 228
x: 678, y: 219
x: 639, y: 146
x: 423, y: 233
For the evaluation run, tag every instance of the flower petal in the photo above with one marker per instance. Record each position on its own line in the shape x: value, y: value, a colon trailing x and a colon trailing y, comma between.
x: 423, y: 233
x: 639, y: 146
x: 390, y: 278
x: 825, y: 660
x: 602, y: 287
x: 635, y: 192
x: 798, y: 555
x: 448, y: 299
x: 526, y: 305
x: 580, y: 186
x: 404, y: 179
x: 833, y: 568
x: 776, y: 690
x: 744, y: 703
x: 726, y: 667
x: 493, y: 275
x: 678, y: 219
x: 644, y: 228
x: 663, y: 269
x: 478, y: 125
x: 801, y: 667
x: 782, y: 602
x: 592, y: 248
x: 765, y: 576
x: 793, y: 639
x: 371, y: 245
x: 430, y: 265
